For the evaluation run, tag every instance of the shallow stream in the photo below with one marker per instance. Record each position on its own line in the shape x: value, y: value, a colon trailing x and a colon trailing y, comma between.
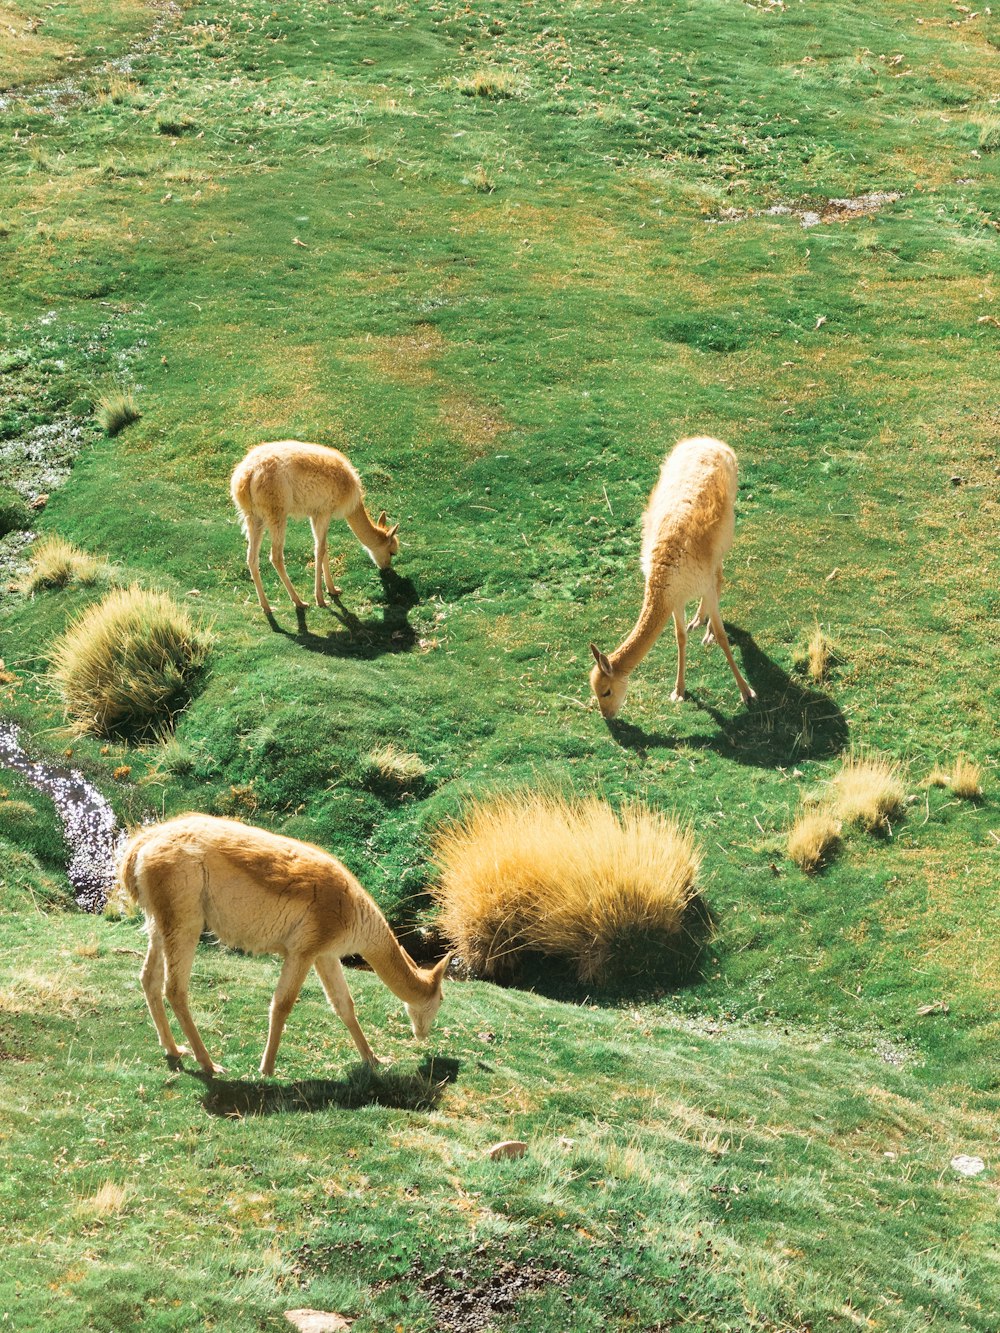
x: 92, y: 831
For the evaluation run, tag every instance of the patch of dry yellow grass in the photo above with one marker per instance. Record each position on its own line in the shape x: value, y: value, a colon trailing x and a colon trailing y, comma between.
x: 532, y: 873
x: 56, y: 563
x: 869, y: 791
x: 389, y: 765
x: 493, y: 83
x: 966, y: 779
x: 33, y: 992
x: 108, y: 1201
x: 813, y: 839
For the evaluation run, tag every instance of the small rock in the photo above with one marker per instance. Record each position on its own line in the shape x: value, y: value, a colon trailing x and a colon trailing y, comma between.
x: 509, y: 1148
x: 968, y: 1166
x: 956, y: 481
x: 317, y: 1321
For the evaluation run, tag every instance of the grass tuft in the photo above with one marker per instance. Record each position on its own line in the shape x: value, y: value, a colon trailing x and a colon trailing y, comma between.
x: 813, y: 839
x: 387, y: 766
x: 869, y: 791
x: 966, y: 779
x: 116, y: 409
x: 108, y: 1201
x: 56, y: 563
x: 493, y: 83
x: 126, y: 667
x: 989, y: 134
x: 15, y: 515
x: 530, y: 873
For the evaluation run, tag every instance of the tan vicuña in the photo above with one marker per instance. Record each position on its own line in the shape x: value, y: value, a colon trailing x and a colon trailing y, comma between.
x: 687, y: 529
x: 262, y: 893
x: 288, y: 479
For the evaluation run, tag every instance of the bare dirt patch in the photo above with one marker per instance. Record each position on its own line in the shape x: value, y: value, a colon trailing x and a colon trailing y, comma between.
x: 811, y: 215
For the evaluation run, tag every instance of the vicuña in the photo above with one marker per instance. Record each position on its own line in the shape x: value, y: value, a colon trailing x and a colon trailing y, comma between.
x: 261, y: 893
x: 289, y: 479
x: 687, y: 529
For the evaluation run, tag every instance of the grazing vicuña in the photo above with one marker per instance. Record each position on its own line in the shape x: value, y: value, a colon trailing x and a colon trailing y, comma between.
x: 289, y: 479
x: 687, y: 529
x: 261, y: 893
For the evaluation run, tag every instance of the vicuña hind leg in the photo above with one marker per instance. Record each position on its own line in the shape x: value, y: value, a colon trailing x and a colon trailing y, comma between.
x: 678, y: 693
x: 331, y: 974
x: 152, y: 976
x: 278, y: 560
x: 698, y: 619
x: 255, y: 536
x: 293, y: 973
x: 178, y: 952
x: 720, y: 633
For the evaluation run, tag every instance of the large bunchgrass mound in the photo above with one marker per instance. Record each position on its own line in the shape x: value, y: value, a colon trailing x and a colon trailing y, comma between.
x: 126, y: 667
x: 613, y: 894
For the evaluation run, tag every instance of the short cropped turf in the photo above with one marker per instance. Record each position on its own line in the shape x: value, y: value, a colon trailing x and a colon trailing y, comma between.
x: 504, y: 256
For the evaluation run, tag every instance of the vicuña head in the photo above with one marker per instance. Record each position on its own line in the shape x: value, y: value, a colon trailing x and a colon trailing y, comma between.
x: 262, y: 893
x: 609, y: 686
x: 387, y: 544
x: 686, y: 531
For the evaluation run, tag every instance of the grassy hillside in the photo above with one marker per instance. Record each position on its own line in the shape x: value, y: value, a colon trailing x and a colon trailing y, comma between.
x: 504, y: 258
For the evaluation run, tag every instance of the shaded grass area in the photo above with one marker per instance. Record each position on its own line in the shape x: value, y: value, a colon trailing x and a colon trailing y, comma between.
x: 675, y: 1171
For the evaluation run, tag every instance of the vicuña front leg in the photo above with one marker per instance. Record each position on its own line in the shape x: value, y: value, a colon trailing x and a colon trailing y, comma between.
x: 331, y: 974
x: 178, y: 955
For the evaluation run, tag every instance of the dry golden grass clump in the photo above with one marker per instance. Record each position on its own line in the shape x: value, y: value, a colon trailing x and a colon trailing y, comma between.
x: 966, y: 779
x: 388, y: 766
x: 56, y: 563
x: 813, y: 839
x: 816, y: 658
x: 869, y: 791
x: 495, y: 83
x: 116, y: 409
x: 126, y: 666
x: 528, y: 874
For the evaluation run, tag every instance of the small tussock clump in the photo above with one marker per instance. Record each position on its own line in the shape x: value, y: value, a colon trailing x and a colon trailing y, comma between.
x: 813, y: 839
x: 530, y: 874
x: 109, y: 1200
x: 817, y: 657
x: 56, y: 563
x: 869, y: 791
x: 116, y: 409
x: 127, y: 665
x: 387, y: 766
x: 494, y: 83
x: 966, y: 779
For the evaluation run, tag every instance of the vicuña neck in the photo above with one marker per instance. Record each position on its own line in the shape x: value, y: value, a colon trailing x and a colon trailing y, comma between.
x: 364, y: 529
x: 647, y: 629
x: 391, y: 961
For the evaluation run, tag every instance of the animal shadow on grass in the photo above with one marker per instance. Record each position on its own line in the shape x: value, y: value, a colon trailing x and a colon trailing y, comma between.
x: 363, y: 1086
x: 388, y: 632
x: 789, y: 721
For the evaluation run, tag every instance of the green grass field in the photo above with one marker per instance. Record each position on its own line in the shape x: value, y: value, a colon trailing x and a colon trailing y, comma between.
x: 303, y: 221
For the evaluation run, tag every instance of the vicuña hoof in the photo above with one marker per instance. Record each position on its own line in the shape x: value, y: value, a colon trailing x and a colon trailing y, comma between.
x: 676, y: 698
x: 750, y: 699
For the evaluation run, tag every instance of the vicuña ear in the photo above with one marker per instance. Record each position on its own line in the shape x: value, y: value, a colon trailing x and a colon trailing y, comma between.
x: 441, y: 968
x: 382, y: 518
x: 393, y: 530
x: 601, y: 660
